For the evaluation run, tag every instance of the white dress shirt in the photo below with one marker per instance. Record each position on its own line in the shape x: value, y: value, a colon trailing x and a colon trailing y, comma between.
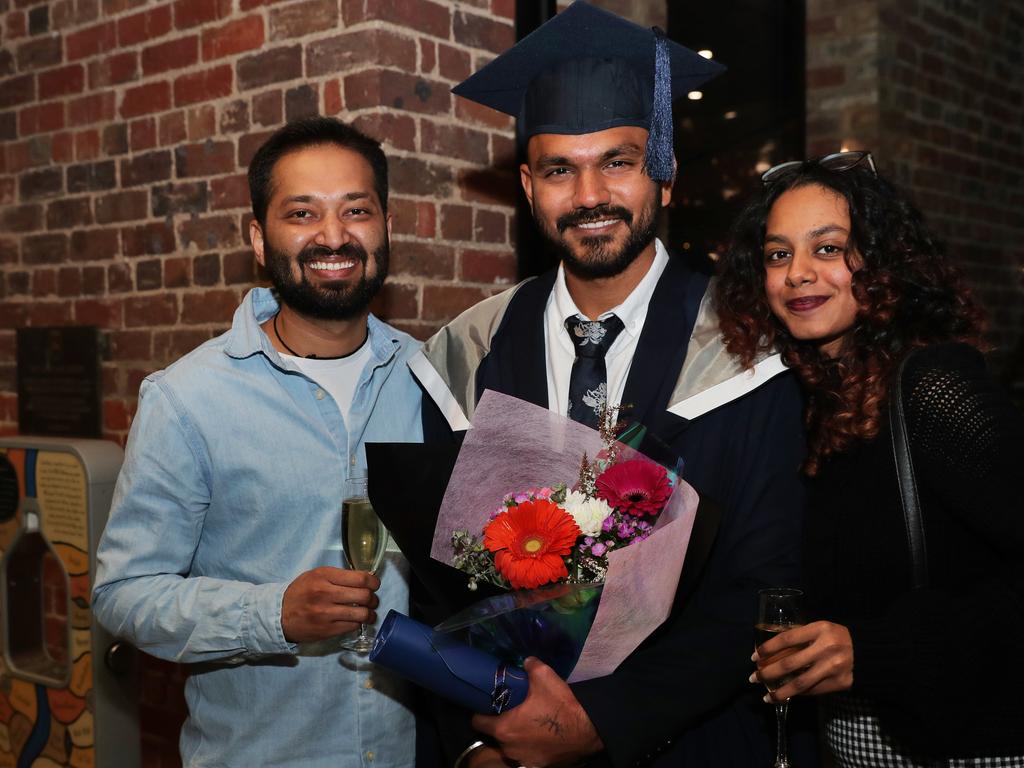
x: 560, y: 351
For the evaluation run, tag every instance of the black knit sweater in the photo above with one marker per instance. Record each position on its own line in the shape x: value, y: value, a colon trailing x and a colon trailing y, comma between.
x: 944, y: 665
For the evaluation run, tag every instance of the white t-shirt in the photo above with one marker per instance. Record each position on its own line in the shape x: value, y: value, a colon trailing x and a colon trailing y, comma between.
x: 561, y: 353
x: 339, y: 377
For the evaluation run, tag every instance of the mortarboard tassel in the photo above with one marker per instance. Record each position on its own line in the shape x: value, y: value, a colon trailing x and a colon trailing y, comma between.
x: 660, y: 158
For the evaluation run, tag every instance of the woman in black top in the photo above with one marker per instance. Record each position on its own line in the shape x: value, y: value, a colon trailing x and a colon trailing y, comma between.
x: 835, y: 269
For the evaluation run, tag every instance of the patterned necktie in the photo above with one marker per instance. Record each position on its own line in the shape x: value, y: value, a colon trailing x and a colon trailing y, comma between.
x: 588, y: 382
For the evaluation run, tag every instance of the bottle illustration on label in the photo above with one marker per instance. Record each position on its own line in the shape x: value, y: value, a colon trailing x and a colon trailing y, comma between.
x: 35, y: 594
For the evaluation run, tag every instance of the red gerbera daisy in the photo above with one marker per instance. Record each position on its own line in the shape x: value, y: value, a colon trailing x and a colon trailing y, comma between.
x: 529, y: 541
x: 637, y: 486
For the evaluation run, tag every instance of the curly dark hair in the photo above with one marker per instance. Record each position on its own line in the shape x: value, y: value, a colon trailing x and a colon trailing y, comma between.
x: 908, y: 293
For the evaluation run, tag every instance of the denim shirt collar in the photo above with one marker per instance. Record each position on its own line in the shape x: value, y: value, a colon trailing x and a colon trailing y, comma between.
x: 260, y: 304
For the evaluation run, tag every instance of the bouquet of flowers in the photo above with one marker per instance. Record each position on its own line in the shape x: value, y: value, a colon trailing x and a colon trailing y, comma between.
x: 580, y: 571
x: 513, y: 445
x: 559, y: 533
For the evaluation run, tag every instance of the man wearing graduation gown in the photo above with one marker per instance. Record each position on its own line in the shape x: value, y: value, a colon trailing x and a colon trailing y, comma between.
x: 599, y: 168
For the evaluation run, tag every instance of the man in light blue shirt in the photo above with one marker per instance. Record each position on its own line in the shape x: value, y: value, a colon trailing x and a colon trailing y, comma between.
x: 223, y: 547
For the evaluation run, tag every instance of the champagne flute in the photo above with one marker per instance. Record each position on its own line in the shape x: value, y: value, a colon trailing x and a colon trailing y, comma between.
x: 780, y: 609
x: 364, y: 540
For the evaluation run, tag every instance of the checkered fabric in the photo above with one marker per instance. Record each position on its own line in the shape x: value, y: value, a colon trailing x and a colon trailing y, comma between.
x: 857, y: 741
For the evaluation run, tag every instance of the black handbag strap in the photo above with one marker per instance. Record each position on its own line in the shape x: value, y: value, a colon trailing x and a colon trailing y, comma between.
x: 908, y: 483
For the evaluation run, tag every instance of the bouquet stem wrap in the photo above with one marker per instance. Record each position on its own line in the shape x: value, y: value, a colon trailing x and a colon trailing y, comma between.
x: 551, y: 623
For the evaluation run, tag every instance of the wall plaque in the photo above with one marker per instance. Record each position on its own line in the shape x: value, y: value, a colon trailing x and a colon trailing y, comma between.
x: 59, y: 382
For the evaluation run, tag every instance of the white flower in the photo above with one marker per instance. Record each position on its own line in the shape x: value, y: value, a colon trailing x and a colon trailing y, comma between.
x: 588, y: 513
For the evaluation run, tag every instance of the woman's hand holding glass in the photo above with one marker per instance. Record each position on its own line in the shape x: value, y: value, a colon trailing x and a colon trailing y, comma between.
x: 813, y: 659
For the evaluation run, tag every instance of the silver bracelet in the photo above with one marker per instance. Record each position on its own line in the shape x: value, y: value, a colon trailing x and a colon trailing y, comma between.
x: 466, y: 753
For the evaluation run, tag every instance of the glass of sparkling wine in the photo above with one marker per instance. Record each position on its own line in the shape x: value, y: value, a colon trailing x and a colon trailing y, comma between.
x: 779, y: 609
x: 364, y: 540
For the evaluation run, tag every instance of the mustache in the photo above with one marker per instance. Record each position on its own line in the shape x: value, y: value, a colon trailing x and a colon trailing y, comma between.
x: 319, y: 252
x: 587, y: 215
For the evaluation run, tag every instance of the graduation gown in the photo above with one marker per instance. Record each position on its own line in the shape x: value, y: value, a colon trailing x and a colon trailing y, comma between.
x: 682, y: 698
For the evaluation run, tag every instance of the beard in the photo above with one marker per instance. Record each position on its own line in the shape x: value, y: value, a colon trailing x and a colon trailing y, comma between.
x: 330, y: 301
x: 601, y: 258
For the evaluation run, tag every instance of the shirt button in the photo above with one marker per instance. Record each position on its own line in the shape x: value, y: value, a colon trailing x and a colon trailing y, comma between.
x: 368, y: 684
x: 369, y: 756
x: 319, y: 394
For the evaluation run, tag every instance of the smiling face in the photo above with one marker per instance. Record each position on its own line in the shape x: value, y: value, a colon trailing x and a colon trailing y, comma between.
x: 325, y: 241
x: 807, y: 280
x: 591, y: 199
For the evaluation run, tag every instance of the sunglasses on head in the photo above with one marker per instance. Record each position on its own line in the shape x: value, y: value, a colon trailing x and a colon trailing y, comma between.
x: 837, y: 161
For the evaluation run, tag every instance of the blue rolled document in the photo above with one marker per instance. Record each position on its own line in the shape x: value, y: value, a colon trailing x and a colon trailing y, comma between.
x: 447, y: 666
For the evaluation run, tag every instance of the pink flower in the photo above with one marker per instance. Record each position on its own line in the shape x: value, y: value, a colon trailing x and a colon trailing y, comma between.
x: 638, y: 486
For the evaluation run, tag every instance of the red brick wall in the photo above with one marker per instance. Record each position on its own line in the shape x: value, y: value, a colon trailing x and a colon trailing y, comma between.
x: 126, y: 128
x: 842, y: 75
x: 936, y: 90
x: 952, y: 108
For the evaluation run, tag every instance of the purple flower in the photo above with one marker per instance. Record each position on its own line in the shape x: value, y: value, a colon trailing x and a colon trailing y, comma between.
x: 598, y: 549
x: 608, y: 524
x: 521, y: 497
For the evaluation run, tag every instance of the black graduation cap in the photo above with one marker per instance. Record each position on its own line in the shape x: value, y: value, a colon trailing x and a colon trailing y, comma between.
x: 587, y: 70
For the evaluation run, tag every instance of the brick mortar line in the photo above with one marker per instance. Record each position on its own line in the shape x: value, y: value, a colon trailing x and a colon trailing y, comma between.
x: 119, y: 90
x: 170, y: 76
x: 387, y: 25
x: 410, y: 34
x: 219, y: 102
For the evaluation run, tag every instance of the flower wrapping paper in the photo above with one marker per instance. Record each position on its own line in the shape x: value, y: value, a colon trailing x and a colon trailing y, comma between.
x: 550, y: 622
x: 514, y: 445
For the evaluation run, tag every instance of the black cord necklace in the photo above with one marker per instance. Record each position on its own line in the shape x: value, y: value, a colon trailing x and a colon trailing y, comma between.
x: 293, y: 353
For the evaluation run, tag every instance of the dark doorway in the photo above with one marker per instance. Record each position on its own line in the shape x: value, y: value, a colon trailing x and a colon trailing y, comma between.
x: 747, y: 120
